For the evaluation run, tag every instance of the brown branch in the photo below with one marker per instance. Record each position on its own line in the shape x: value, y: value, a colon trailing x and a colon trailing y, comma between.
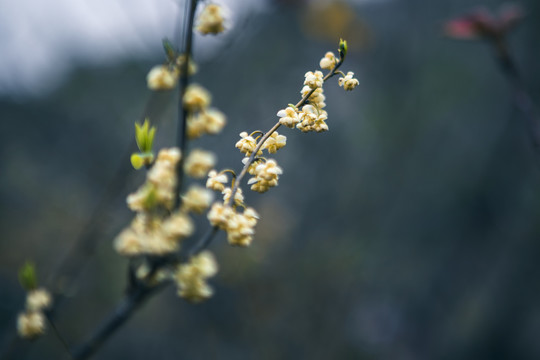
x: 522, y: 98
x: 181, y: 136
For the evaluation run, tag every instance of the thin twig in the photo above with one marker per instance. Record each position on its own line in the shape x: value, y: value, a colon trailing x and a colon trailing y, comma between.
x: 203, y: 242
x: 120, y: 315
x: 522, y: 99
x: 58, y: 334
x: 181, y: 136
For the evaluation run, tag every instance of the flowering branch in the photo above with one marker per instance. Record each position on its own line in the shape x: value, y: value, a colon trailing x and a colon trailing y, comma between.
x: 269, y: 133
x: 153, y: 239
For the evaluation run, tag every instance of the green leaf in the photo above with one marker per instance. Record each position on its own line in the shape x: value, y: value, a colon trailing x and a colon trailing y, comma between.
x: 144, y: 136
x: 342, y: 48
x: 27, y: 276
x: 138, y: 135
x: 169, y: 50
x: 150, y: 140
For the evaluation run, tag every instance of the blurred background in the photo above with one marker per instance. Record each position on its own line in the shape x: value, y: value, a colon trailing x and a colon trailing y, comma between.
x: 410, y: 230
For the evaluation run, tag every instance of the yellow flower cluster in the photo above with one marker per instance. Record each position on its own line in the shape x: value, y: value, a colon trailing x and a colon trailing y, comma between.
x: 211, y: 20
x: 197, y: 199
x: 238, y: 196
x: 199, y: 162
x: 32, y: 322
x: 348, y: 82
x: 201, y: 118
x: 247, y: 144
x: 239, y: 226
x: 275, y: 142
x: 328, y: 62
x: 216, y: 181
x: 153, y: 231
x: 191, y: 277
x: 162, y: 77
x: 160, y: 184
x: 165, y: 77
x: 266, y: 175
x: 314, y: 79
x: 312, y: 117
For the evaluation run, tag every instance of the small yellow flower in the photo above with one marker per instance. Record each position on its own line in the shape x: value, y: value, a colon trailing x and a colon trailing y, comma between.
x: 252, y: 216
x: 214, y: 121
x: 328, y: 61
x: 252, y: 169
x: 196, y: 126
x: 267, y: 176
x: 211, y: 20
x: 196, y: 98
x: 219, y: 215
x: 348, y: 82
x: 161, y: 77
x: 314, y: 79
x: 289, y: 117
x: 216, y: 181
x: 240, y: 229
x: 180, y: 61
x: 275, y: 142
x: 128, y: 243
x: 247, y: 144
x: 199, y: 162
x: 317, y: 98
x: 178, y: 226
x: 31, y: 324
x: 238, y: 196
x: 191, y: 277
x: 197, y: 199
x: 312, y: 119
x: 207, y: 121
x: 38, y: 299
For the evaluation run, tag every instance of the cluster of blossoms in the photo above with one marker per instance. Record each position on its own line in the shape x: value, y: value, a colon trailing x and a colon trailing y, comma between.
x: 202, y: 119
x: 156, y: 228
x: 211, y: 20
x: 312, y: 116
x: 159, y: 226
x: 165, y: 77
x: 239, y: 226
x: 191, y: 277
x: 265, y: 172
x: 32, y: 322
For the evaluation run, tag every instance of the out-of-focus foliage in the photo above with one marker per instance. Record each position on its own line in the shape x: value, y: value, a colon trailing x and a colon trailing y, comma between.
x: 409, y: 231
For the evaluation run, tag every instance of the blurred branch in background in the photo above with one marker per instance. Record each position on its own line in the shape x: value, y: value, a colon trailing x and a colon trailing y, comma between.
x: 482, y: 24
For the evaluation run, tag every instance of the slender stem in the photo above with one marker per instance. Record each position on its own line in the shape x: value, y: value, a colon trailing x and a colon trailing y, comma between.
x: 58, y: 335
x: 119, y: 316
x: 203, y: 242
x: 181, y: 136
x: 522, y: 98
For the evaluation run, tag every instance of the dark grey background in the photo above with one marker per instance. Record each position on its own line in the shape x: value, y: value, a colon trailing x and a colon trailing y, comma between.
x: 409, y: 231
